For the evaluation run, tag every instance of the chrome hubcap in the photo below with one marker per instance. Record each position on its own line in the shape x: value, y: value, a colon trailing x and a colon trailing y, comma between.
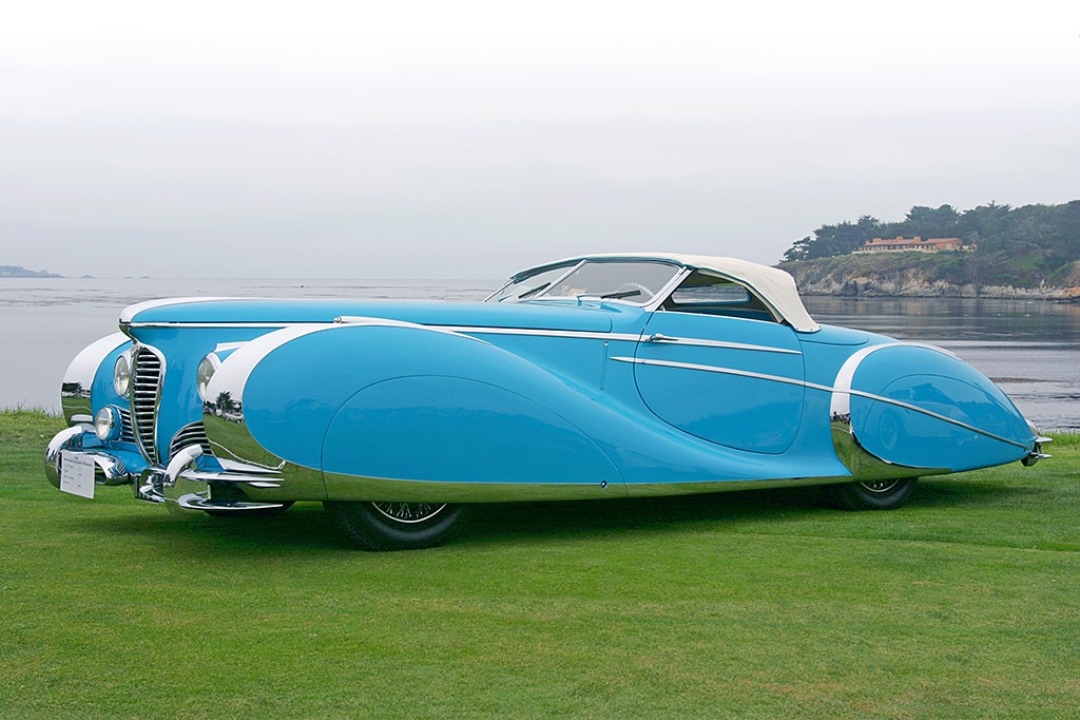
x: 408, y: 513
x: 880, y: 486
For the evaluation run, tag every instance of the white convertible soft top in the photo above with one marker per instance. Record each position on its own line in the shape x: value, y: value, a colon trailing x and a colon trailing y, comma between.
x: 774, y: 286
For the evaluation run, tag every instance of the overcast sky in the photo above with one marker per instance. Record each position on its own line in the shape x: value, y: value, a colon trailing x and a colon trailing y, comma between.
x: 468, y: 139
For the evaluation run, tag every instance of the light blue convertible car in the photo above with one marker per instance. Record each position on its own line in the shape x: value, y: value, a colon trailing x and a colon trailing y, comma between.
x: 593, y: 377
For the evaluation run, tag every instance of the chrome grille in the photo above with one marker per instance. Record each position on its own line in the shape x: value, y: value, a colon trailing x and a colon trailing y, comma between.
x: 127, y: 432
x: 148, y: 371
x: 193, y: 434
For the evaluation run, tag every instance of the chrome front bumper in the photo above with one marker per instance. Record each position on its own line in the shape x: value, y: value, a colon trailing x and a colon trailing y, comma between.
x: 181, y: 483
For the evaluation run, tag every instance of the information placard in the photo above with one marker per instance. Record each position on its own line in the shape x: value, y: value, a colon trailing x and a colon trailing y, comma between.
x: 77, y: 474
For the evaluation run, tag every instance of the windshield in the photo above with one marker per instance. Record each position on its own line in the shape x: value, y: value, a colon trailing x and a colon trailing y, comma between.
x: 527, y: 286
x: 633, y: 281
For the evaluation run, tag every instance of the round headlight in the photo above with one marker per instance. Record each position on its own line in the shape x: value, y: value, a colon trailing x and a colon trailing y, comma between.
x: 122, y: 374
x: 107, y: 424
x: 205, y: 372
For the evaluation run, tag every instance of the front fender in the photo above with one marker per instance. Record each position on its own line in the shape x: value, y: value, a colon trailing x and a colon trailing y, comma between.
x: 393, y: 401
x: 88, y: 380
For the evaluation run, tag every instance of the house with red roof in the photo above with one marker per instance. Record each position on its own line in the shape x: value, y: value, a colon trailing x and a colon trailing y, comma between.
x: 916, y: 243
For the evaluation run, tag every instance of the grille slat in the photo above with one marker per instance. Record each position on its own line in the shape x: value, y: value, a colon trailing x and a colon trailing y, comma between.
x: 193, y: 434
x: 127, y: 432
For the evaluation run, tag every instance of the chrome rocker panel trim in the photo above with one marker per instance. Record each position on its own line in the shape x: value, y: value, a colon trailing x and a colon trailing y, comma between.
x: 369, y: 489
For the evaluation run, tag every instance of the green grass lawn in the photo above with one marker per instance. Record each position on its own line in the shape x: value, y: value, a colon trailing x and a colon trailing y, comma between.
x: 963, y: 604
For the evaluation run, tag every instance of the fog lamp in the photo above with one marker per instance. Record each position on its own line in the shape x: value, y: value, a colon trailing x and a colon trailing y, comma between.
x: 107, y: 424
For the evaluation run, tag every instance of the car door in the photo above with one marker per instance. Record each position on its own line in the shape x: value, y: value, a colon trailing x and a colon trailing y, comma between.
x: 730, y: 380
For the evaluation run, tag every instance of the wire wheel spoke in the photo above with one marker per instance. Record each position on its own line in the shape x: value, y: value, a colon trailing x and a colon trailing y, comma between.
x: 880, y: 486
x: 408, y: 512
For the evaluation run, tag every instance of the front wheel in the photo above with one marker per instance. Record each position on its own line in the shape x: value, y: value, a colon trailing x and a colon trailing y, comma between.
x: 872, y: 495
x: 397, y: 525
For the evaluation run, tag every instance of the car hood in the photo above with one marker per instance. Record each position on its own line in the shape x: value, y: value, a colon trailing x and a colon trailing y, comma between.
x: 586, y: 316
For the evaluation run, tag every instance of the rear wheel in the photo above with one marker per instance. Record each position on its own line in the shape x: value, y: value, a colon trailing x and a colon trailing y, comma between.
x: 397, y: 525
x: 872, y: 495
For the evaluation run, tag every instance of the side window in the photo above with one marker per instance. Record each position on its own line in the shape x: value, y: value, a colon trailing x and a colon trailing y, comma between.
x: 711, y: 295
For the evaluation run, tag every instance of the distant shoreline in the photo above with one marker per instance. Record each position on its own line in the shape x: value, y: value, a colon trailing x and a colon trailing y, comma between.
x: 17, y: 271
x: 1057, y: 299
x: 925, y: 275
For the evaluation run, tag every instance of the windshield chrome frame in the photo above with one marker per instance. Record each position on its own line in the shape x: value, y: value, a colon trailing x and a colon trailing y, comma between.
x: 681, y: 273
x: 539, y: 269
x: 666, y: 291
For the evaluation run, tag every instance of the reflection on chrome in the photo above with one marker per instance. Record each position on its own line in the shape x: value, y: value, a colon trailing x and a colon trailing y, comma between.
x: 79, y: 376
x: 864, y: 465
x: 229, y: 437
x: 64, y: 440
x: 108, y: 469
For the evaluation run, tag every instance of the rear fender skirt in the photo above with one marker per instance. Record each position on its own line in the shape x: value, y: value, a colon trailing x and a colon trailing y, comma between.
x: 904, y: 409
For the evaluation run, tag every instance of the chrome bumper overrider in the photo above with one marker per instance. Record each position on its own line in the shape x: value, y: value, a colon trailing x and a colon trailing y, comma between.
x: 1037, y: 454
x: 110, y: 468
x: 189, y: 488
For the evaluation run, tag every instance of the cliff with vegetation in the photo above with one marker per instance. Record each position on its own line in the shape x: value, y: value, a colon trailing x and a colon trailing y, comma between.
x: 1027, y: 252
x: 913, y: 274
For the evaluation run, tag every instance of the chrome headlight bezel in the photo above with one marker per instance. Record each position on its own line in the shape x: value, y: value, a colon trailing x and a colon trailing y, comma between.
x: 122, y: 374
x: 205, y: 373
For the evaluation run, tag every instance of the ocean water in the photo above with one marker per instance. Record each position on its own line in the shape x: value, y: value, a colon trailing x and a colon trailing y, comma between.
x: 45, y: 322
x: 1030, y: 348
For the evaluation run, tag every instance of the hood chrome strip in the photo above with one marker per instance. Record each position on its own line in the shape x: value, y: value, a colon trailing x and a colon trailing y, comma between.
x: 492, y: 330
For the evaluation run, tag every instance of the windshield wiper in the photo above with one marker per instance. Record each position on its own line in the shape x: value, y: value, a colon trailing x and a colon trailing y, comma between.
x: 620, y: 295
x: 532, y: 291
